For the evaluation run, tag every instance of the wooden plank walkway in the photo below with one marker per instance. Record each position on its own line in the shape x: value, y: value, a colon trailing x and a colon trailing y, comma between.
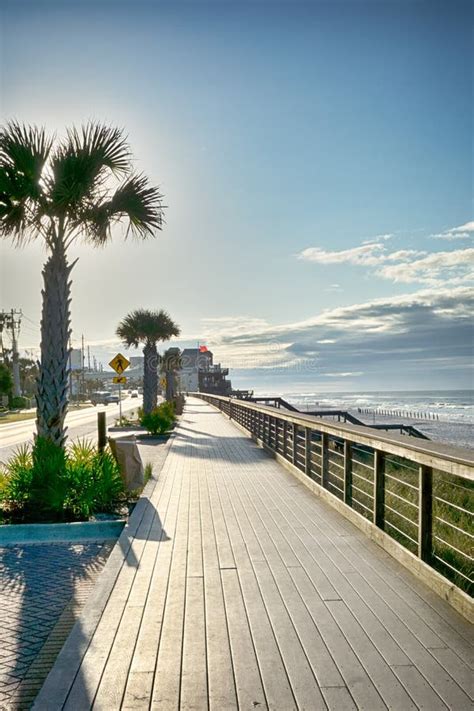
x: 242, y: 590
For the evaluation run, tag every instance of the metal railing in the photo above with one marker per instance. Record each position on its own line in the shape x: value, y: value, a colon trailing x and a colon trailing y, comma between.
x: 420, y: 493
x: 342, y: 416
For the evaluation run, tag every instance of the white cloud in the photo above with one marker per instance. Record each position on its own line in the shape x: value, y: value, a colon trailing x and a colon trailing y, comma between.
x: 366, y: 254
x: 409, y: 324
x: 462, y: 232
x: 403, y: 254
x: 343, y: 375
x: 231, y: 324
x: 378, y: 238
x: 431, y: 268
x: 403, y: 265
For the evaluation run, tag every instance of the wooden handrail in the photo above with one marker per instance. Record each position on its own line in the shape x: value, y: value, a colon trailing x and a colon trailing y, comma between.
x: 373, y: 473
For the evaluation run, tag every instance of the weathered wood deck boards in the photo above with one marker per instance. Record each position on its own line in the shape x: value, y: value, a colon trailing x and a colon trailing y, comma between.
x: 242, y: 590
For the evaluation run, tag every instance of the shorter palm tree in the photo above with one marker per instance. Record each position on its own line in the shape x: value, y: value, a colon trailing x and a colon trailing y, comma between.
x: 148, y: 327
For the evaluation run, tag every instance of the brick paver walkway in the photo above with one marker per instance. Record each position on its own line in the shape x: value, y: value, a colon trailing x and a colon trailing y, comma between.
x: 237, y: 588
x: 42, y: 589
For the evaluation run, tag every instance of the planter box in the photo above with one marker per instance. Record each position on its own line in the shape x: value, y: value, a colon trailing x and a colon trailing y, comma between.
x: 143, y: 438
x: 126, y: 428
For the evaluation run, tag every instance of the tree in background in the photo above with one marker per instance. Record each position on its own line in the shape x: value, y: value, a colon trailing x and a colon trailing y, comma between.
x: 61, y: 191
x: 28, y: 376
x: 6, y: 380
x: 148, y: 327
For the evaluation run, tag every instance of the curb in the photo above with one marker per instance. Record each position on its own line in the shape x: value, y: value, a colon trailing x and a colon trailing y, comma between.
x: 33, y: 533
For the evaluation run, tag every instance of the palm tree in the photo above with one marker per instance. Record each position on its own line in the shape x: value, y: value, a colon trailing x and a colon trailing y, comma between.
x: 61, y: 191
x: 148, y: 327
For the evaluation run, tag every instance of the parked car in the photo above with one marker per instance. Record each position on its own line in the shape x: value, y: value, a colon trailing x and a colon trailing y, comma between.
x: 101, y: 397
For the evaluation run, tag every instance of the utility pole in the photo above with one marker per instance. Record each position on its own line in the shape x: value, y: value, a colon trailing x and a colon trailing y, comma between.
x: 2, y: 323
x: 70, y: 369
x: 83, y: 358
x: 15, y: 354
x: 12, y: 321
x: 88, y: 358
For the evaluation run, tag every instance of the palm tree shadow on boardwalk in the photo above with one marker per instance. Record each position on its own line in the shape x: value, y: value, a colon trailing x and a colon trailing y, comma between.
x: 44, y: 585
x: 204, y: 446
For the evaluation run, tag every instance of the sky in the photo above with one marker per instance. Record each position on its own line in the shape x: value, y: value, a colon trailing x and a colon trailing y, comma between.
x: 316, y: 162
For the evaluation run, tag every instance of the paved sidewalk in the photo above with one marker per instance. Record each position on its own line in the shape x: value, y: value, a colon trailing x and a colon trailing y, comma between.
x: 42, y: 590
x: 237, y: 588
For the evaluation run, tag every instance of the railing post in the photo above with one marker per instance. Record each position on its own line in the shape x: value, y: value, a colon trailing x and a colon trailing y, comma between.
x: 425, y: 513
x: 295, y: 444
x: 324, y: 460
x: 101, y: 431
x: 347, y: 473
x: 379, y: 490
x: 307, y: 451
x: 285, y: 433
x: 230, y: 409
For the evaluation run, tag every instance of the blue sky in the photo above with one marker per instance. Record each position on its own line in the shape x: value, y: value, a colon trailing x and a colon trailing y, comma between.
x: 316, y: 161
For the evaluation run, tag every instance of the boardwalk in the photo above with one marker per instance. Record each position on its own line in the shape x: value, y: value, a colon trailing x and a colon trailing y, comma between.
x: 241, y: 589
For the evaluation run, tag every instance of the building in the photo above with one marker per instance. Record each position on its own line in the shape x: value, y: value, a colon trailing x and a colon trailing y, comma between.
x: 199, y: 374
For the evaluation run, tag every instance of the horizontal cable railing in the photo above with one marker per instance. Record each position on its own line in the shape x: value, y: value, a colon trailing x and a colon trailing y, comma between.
x: 342, y: 416
x: 419, y: 493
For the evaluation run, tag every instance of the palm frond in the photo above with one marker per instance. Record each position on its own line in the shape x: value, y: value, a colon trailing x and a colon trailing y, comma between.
x: 83, y: 162
x: 66, y: 192
x: 141, y: 203
x: 146, y: 326
x: 95, y: 223
x: 24, y: 151
x: 135, y: 200
x: 128, y: 330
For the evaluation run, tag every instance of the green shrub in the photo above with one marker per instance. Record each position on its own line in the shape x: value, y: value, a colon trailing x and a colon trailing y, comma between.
x: 34, y: 483
x: 94, y: 481
x: 48, y: 483
x: 17, y: 476
x: 18, y: 403
x: 160, y: 419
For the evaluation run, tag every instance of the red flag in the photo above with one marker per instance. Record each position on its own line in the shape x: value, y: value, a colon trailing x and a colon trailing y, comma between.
x: 202, y: 349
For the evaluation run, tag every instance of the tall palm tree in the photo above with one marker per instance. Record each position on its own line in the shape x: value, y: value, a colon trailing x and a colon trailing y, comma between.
x: 148, y: 327
x: 61, y: 191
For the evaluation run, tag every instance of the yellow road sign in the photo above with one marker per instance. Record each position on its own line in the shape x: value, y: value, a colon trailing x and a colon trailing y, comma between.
x: 120, y: 379
x: 119, y: 363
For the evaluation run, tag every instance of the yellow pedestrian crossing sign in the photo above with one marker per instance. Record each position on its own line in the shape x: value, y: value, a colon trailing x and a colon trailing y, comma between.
x: 119, y: 363
x: 120, y: 379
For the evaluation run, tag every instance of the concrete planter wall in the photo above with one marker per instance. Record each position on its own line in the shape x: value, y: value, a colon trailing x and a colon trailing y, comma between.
x: 19, y: 534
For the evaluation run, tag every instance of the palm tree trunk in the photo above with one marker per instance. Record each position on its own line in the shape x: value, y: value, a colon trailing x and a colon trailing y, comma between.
x: 52, y: 393
x: 150, y: 377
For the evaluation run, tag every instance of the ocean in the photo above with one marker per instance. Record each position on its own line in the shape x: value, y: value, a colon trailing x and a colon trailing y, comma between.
x: 443, y: 415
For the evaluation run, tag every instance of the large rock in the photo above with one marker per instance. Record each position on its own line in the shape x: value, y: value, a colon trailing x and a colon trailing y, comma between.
x: 128, y: 457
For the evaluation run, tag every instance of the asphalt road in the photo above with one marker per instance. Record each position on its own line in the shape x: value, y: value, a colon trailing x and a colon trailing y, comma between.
x: 80, y: 423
